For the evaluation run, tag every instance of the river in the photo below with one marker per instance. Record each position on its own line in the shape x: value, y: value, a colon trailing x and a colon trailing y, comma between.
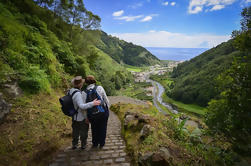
x: 157, y: 97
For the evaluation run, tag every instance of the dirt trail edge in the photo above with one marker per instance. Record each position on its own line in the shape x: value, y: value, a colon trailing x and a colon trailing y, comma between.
x: 113, y: 153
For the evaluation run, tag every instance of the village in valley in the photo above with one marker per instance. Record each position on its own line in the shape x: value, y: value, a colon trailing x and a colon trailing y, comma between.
x: 143, y: 76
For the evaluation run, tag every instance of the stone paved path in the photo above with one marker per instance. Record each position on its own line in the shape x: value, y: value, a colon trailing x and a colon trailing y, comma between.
x: 113, y: 153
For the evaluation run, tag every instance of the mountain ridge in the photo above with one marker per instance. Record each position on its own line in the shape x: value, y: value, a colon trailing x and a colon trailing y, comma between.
x: 126, y: 52
x: 195, y: 79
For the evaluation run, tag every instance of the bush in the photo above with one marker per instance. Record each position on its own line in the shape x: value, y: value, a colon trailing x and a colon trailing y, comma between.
x: 35, y: 80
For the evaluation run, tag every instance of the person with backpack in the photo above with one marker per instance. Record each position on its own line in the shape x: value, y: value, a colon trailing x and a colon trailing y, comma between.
x: 98, y: 116
x: 80, y: 123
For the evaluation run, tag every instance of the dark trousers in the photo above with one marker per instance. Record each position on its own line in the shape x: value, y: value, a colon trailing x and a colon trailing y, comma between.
x: 79, y: 129
x: 99, y: 127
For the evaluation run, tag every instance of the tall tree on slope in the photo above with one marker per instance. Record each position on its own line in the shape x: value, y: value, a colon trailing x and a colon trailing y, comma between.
x: 231, y: 113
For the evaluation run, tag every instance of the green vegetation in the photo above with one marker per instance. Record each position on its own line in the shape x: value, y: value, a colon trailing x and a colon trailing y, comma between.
x: 127, y: 53
x: 136, y: 90
x: 230, y: 112
x: 168, y: 84
x: 133, y: 68
x: 194, y: 80
x: 186, y: 146
x: 43, y: 44
x: 165, y: 81
x: 188, y: 108
x: 222, y: 76
x: 34, y: 130
x: 51, y: 46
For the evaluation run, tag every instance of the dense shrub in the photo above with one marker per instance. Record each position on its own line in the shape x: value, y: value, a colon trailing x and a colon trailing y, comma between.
x: 35, y: 80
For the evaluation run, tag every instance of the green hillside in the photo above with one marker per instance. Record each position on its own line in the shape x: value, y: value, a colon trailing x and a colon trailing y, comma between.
x: 127, y: 53
x: 195, y: 80
x: 42, y: 50
x: 49, y: 49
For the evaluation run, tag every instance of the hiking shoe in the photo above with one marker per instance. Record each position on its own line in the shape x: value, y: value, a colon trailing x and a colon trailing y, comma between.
x: 94, y: 146
x: 74, y: 147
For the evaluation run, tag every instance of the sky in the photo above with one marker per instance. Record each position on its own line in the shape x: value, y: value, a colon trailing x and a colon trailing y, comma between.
x: 170, y: 23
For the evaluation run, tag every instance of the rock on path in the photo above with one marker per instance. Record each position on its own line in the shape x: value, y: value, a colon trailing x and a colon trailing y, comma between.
x: 113, y: 153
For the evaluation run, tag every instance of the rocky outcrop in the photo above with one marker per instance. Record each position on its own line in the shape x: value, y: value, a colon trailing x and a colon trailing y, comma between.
x: 132, y: 119
x: 128, y: 119
x: 4, y: 107
x: 146, y: 131
x: 159, y: 158
x: 195, y: 136
x: 12, y: 90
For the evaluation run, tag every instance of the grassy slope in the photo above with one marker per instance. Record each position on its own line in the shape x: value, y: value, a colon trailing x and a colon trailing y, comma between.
x: 34, y: 130
x: 126, y: 53
x: 135, y: 68
x: 136, y: 90
x: 106, y: 64
x: 167, y: 133
x: 192, y: 108
x: 36, y: 127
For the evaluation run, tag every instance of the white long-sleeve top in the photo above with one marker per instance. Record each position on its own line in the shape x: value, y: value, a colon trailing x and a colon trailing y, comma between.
x: 79, y: 99
x: 101, y: 92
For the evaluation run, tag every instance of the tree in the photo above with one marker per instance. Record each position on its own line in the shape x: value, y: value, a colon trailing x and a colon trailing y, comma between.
x: 231, y: 113
x: 73, y: 12
x: 78, y: 15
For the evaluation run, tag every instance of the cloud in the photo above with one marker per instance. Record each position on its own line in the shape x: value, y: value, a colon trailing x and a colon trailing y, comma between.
x: 196, y: 6
x: 118, y: 13
x: 168, y: 39
x: 146, y: 18
x: 245, y: 3
x: 173, y: 3
x: 197, y: 9
x: 165, y: 3
x: 129, y: 18
x: 217, y: 7
x: 136, y: 5
x: 204, y: 44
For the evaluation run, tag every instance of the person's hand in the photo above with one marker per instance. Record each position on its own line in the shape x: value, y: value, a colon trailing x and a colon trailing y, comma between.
x: 87, y: 121
x: 96, y: 102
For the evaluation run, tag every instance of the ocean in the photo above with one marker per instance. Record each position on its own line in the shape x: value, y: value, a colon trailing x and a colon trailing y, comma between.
x: 176, y: 54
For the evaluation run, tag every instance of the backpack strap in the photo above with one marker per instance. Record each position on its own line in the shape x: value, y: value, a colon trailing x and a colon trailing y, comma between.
x: 72, y: 97
x: 95, y: 90
x: 75, y: 92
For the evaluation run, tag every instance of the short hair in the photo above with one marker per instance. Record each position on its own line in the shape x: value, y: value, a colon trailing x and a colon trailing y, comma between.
x: 90, y: 79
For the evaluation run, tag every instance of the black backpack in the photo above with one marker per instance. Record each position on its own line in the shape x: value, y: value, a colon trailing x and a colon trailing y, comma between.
x: 96, y: 111
x: 67, y: 106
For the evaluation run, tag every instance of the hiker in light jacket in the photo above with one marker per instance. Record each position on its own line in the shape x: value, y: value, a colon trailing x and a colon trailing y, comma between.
x: 80, y: 123
x: 98, y: 125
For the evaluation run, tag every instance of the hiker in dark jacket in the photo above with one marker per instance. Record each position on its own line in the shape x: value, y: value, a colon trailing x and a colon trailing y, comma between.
x: 80, y: 123
x: 98, y: 125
